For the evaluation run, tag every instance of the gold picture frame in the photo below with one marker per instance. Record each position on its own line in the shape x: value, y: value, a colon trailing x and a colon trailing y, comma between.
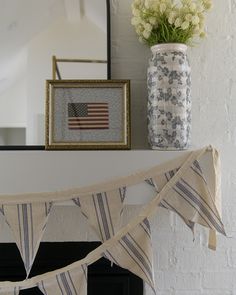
x: 88, y: 115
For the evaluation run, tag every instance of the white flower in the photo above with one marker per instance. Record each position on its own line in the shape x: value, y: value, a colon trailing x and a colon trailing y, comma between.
x: 207, y: 4
x: 171, y: 20
x: 201, y: 17
x: 192, y: 7
x: 141, y: 39
x: 138, y: 2
x: 152, y: 20
x: 200, y: 8
x: 201, y: 24
x: 136, y: 21
x: 178, y: 22
x: 202, y: 35
x: 173, y: 14
x: 148, y: 27
x: 186, y: 2
x: 197, y: 30
x: 147, y: 4
x: 188, y: 17
x: 185, y: 25
x: 139, y: 29
x: 146, y: 34
x: 195, y: 20
x: 136, y: 12
x: 172, y: 17
x: 162, y: 8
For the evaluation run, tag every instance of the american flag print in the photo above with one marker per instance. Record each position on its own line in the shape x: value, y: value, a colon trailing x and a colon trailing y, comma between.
x: 88, y: 116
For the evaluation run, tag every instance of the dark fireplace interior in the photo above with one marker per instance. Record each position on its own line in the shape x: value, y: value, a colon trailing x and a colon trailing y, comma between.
x: 102, y: 277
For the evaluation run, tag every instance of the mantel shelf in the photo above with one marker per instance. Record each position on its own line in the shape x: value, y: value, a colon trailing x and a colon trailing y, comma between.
x: 39, y: 171
x: 15, y: 125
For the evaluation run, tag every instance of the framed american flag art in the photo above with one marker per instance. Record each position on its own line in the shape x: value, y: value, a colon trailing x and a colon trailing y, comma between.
x: 87, y: 114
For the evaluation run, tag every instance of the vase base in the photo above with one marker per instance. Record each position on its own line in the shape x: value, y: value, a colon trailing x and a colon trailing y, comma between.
x: 168, y: 148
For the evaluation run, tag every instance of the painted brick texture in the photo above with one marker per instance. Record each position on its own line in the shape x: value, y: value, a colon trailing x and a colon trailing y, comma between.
x: 184, y: 267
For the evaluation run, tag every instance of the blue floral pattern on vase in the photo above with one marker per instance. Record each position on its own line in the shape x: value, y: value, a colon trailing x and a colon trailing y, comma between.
x: 169, y: 97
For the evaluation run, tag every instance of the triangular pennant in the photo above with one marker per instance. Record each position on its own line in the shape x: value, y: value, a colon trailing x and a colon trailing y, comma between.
x: 10, y: 291
x: 196, y: 200
x: 27, y: 222
x: 134, y: 252
x: 103, y: 211
x: 191, y: 198
x: 73, y: 282
x: 158, y: 182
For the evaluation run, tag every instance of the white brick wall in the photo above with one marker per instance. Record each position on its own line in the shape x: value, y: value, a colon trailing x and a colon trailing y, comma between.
x: 184, y: 267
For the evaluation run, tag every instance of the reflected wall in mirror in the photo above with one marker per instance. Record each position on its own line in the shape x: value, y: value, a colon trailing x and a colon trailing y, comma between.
x: 31, y: 33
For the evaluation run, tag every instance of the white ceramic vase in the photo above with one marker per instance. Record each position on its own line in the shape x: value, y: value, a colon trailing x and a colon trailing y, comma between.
x: 169, y: 97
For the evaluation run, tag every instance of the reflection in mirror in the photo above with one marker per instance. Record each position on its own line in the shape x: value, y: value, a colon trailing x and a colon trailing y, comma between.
x: 31, y: 33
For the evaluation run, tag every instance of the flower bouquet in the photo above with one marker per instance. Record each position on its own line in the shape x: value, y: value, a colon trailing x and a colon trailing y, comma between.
x: 169, y: 21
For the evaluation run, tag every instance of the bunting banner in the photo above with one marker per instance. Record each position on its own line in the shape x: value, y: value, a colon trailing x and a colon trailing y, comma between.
x: 73, y: 282
x: 103, y: 210
x: 188, y: 185
x: 190, y: 198
x: 27, y: 222
x: 134, y: 252
x: 158, y: 182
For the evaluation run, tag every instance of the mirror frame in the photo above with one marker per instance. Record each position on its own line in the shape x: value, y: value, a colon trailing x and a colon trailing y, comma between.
x: 42, y: 147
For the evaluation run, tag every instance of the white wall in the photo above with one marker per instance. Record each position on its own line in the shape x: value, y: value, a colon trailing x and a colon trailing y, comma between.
x: 12, y: 136
x: 13, y: 105
x: 183, y: 267
x: 13, y: 90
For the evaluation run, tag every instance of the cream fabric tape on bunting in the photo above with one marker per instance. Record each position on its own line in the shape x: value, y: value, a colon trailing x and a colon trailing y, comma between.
x: 103, y: 211
x: 27, y: 223
x: 10, y: 291
x: 185, y: 187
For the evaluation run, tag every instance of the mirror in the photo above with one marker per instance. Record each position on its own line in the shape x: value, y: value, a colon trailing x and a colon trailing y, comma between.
x: 31, y: 33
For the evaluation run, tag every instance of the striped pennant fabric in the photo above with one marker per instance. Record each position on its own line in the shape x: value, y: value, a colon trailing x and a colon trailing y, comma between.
x: 134, y: 252
x: 158, y: 182
x: 103, y: 211
x: 13, y: 291
x: 191, y: 198
x: 73, y: 282
x: 27, y: 222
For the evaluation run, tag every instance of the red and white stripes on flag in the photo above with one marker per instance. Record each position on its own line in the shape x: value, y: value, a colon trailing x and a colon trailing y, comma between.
x: 72, y: 282
x: 88, y: 116
x: 103, y: 211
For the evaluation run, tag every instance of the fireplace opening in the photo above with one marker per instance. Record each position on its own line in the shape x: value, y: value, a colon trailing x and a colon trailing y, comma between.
x: 102, y: 277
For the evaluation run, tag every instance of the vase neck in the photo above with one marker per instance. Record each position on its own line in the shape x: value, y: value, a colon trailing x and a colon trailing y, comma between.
x: 169, y: 47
